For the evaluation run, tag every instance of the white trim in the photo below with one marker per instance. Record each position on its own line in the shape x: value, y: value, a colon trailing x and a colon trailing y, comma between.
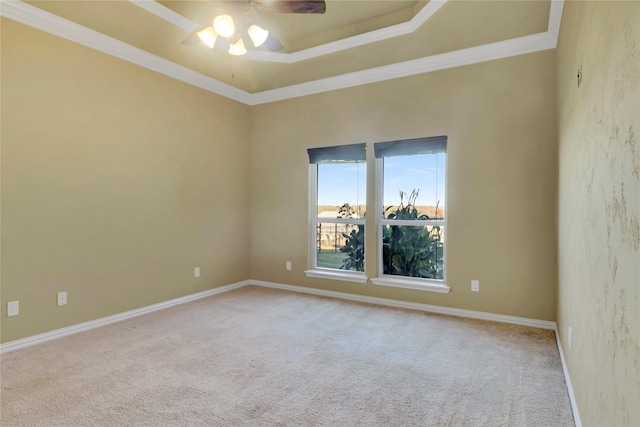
x: 410, y: 283
x: 414, y: 222
x: 313, y: 214
x: 314, y: 221
x: 347, y: 221
x: 92, y: 324
x: 347, y: 276
x: 52, y: 24
x: 347, y: 43
x: 392, y: 31
x: 474, y: 55
x: 555, y: 17
x: 399, y: 281
x: 81, y: 327
x: 167, y: 14
x: 565, y: 371
x: 523, y: 321
x: 44, y: 21
x: 379, y: 212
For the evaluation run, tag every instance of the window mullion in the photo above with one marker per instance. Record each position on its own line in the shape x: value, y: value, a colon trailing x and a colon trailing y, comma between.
x: 414, y: 222
x: 348, y: 221
x: 380, y: 212
x: 313, y: 256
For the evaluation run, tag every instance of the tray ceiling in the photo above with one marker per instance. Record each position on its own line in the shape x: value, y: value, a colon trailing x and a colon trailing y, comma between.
x: 354, y: 42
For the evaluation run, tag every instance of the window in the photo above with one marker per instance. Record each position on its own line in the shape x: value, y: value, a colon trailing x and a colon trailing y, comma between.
x: 338, y: 198
x: 410, y: 217
x: 412, y: 213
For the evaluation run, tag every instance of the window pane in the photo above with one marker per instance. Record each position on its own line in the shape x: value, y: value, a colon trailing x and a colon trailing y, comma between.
x: 413, y: 251
x: 341, y: 190
x: 416, y: 181
x: 340, y: 246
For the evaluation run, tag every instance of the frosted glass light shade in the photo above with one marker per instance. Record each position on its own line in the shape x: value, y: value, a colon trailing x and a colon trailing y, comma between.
x: 237, y: 48
x: 258, y: 35
x: 208, y: 36
x: 224, y: 25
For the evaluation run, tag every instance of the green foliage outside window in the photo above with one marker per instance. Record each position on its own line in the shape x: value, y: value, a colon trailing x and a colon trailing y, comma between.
x: 354, y: 246
x: 410, y: 251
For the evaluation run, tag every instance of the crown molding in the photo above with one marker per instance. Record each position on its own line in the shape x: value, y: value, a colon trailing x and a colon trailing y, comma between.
x: 555, y: 17
x: 37, y: 18
x: 392, y: 31
x: 458, y: 58
x: 57, y: 26
x: 167, y: 14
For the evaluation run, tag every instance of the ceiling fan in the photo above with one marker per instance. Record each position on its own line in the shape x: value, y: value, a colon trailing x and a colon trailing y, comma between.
x: 222, y: 32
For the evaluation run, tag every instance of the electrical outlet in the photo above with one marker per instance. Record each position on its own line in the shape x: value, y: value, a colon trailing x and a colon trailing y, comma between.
x: 475, y: 285
x: 196, y: 272
x: 13, y: 308
x: 569, y: 338
x: 62, y: 298
x: 288, y: 265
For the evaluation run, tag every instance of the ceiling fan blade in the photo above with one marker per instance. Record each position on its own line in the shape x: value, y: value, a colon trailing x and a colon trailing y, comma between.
x: 290, y: 6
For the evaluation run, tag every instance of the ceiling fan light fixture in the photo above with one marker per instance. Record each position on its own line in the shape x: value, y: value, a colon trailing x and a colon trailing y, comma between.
x: 258, y: 35
x: 224, y: 25
x: 237, y: 48
x: 208, y: 36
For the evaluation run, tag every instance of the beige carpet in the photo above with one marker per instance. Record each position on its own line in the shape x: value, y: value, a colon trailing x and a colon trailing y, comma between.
x: 261, y: 357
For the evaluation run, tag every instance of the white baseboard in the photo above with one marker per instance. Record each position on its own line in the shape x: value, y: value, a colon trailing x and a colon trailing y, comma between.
x: 92, y: 324
x: 85, y: 326
x: 567, y: 379
x: 535, y: 323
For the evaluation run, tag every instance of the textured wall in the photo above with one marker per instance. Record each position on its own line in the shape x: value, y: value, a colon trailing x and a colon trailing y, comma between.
x: 501, y: 196
x: 599, y: 208
x: 116, y: 182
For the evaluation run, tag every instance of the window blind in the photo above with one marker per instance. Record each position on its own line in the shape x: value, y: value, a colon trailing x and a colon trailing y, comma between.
x: 409, y: 147
x: 340, y: 153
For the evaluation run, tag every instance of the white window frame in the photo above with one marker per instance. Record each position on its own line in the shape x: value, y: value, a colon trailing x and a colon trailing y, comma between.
x: 323, y: 272
x: 418, y: 283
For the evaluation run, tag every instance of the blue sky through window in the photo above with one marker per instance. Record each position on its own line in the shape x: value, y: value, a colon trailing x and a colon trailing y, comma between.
x: 425, y: 172
x: 340, y: 183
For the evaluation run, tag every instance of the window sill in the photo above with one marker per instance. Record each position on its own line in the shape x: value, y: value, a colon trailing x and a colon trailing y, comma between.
x: 411, y: 283
x: 337, y: 275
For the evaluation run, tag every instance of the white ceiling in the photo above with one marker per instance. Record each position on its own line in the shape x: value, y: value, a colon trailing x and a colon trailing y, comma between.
x: 355, y: 42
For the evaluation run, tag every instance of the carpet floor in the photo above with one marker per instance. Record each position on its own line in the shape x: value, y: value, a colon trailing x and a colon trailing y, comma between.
x: 264, y: 357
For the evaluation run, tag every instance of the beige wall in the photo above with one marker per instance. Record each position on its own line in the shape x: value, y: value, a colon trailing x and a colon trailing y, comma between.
x: 116, y: 183
x: 599, y: 208
x: 502, y: 174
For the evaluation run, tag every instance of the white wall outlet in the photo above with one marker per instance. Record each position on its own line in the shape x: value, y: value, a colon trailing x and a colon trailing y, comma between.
x: 196, y: 272
x: 569, y: 338
x: 288, y: 265
x: 13, y: 308
x: 62, y: 298
x: 475, y: 285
